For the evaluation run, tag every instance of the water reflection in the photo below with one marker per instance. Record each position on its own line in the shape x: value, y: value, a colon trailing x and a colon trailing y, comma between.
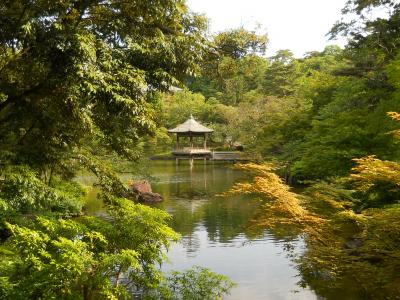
x: 192, y: 198
x: 217, y: 232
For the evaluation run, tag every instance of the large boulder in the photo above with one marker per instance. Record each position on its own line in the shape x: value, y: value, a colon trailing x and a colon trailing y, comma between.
x: 145, y: 193
x: 142, y: 186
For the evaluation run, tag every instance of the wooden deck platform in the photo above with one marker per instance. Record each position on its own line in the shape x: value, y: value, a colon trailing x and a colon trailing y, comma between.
x: 204, y: 154
x: 226, y: 155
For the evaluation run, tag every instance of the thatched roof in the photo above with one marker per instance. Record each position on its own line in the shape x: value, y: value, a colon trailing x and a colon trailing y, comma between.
x: 191, y: 125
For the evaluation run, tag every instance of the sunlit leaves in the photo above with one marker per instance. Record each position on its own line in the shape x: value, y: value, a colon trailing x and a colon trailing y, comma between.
x: 239, y: 42
x: 282, y: 206
x: 344, y: 235
x: 395, y: 116
x: 22, y: 192
x: 193, y: 284
x: 104, y: 256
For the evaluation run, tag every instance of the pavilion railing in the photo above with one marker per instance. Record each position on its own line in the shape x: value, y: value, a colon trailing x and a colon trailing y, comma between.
x: 191, y: 148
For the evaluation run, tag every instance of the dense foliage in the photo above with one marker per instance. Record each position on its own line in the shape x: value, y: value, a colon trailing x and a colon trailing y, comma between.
x: 83, y: 82
x: 78, y: 86
x: 312, y: 114
x: 350, y: 226
x: 323, y: 121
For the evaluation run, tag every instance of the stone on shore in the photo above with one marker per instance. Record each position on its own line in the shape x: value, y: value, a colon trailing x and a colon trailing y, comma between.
x: 145, y: 193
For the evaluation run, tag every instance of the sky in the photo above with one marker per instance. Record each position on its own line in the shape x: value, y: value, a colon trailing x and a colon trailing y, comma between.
x: 298, y: 25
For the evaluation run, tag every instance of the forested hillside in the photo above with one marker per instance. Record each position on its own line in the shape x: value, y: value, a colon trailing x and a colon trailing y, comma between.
x: 313, y: 114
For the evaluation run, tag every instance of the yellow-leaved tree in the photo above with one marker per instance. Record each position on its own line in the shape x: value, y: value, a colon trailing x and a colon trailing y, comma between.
x: 351, y: 226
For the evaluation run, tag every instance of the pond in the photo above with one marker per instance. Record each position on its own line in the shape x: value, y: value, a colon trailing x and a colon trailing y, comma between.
x: 216, y: 231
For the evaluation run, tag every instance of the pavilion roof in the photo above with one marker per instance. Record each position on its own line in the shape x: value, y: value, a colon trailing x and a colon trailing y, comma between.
x: 190, y: 125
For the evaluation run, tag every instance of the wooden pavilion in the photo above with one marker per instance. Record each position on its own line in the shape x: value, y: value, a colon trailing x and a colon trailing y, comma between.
x: 192, y: 130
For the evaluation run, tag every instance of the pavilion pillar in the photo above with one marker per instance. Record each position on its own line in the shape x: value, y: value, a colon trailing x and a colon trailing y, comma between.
x: 191, y: 141
x: 177, y: 141
x: 205, y: 141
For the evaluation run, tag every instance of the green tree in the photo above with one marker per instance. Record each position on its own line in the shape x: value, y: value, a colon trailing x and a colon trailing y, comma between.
x: 79, y: 81
x: 177, y: 108
x: 280, y: 76
x: 238, y: 43
x: 78, y: 70
x: 233, y: 66
x: 194, y: 284
x: 350, y: 226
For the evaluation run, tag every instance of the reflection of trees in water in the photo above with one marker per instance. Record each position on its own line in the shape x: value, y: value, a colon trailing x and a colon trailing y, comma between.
x: 187, y: 216
x: 222, y: 219
x: 191, y: 199
x: 347, y: 255
x: 225, y: 219
x: 194, y: 203
x: 338, y: 264
x: 345, y: 261
x: 192, y: 194
x: 346, y: 267
x: 192, y: 244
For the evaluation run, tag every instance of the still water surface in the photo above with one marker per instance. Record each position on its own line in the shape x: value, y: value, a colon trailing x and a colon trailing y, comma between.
x: 215, y: 231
